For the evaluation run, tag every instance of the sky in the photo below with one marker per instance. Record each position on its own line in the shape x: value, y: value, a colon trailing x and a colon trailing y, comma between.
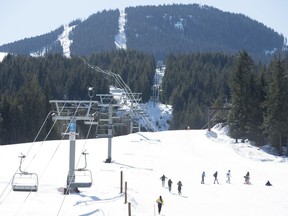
x: 23, y: 19
x: 143, y: 158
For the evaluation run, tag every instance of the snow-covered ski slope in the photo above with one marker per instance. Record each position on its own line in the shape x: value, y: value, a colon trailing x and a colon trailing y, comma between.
x: 143, y: 158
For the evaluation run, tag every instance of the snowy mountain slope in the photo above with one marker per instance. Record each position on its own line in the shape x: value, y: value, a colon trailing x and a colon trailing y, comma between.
x: 2, y: 56
x: 159, y: 30
x: 143, y: 158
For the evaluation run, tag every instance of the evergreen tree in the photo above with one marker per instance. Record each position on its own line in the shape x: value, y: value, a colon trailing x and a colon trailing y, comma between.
x: 276, y: 104
x: 245, y: 115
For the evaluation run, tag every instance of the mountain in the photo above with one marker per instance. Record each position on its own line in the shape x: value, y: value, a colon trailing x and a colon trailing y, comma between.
x: 143, y: 158
x: 159, y: 30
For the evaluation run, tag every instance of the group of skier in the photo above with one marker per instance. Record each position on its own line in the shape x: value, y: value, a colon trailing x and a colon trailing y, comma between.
x: 228, y: 176
x: 215, y: 175
x: 160, y: 201
x: 163, y: 178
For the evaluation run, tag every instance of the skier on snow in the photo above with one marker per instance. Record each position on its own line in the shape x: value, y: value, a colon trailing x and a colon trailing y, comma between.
x: 228, y: 176
x: 163, y: 177
x: 170, y: 184
x: 179, y: 187
x: 247, y: 178
x: 160, y: 203
x: 203, y: 176
x: 215, y: 177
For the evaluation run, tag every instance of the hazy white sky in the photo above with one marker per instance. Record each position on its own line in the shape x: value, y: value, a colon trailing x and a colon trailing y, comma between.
x: 21, y: 19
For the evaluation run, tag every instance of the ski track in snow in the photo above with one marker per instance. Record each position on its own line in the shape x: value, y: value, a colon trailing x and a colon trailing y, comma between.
x: 65, y: 41
x: 120, y: 38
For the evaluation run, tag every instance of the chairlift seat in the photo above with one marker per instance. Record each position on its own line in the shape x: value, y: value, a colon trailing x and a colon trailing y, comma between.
x: 83, y: 179
x: 25, y: 182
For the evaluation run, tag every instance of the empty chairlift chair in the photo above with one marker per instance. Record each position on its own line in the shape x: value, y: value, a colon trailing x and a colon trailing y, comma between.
x: 83, y: 177
x: 24, y: 181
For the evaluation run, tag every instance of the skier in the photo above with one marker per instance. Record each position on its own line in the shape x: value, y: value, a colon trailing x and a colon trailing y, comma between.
x: 215, y: 177
x: 203, y: 176
x: 228, y: 176
x: 163, y: 177
x: 179, y: 187
x: 170, y: 184
x: 160, y: 203
x: 247, y: 178
x: 268, y: 183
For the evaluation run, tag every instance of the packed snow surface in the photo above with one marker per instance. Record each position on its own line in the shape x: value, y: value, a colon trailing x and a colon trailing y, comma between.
x: 143, y: 158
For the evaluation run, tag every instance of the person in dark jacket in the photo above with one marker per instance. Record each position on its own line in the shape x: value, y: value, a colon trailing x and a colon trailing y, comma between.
x: 202, y: 177
x: 170, y: 184
x: 247, y: 178
x: 268, y: 183
x: 160, y: 203
x: 215, y: 177
x: 163, y: 177
x: 179, y: 187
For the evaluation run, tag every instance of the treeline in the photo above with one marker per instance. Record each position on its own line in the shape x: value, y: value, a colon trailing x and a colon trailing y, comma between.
x: 27, y: 84
x: 256, y: 96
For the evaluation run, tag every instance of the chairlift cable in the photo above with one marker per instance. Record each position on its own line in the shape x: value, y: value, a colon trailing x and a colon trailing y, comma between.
x: 8, y: 184
x: 54, y: 153
x: 31, y: 160
x: 63, y: 200
x: 56, y: 148
x: 118, y: 79
x: 89, y: 130
x: 20, y: 207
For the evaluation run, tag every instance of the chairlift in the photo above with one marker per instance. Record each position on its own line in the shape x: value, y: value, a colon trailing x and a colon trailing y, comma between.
x: 83, y: 176
x: 102, y: 131
x: 24, y: 181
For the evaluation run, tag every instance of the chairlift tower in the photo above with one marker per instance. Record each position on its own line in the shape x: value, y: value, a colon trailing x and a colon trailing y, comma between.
x: 73, y: 111
x: 134, y: 111
x: 107, y: 101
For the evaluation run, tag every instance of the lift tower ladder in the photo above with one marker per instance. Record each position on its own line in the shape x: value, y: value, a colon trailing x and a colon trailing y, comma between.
x: 73, y: 111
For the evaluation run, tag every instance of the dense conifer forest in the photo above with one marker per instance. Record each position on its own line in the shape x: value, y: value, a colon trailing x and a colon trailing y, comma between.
x: 28, y: 83
x: 255, y: 95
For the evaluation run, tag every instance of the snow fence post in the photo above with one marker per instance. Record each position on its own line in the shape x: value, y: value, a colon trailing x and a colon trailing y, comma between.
x: 129, y: 209
x: 125, y: 192
x: 121, y: 181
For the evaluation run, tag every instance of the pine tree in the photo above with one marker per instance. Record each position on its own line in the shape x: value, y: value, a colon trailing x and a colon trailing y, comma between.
x: 245, y: 114
x: 276, y: 104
